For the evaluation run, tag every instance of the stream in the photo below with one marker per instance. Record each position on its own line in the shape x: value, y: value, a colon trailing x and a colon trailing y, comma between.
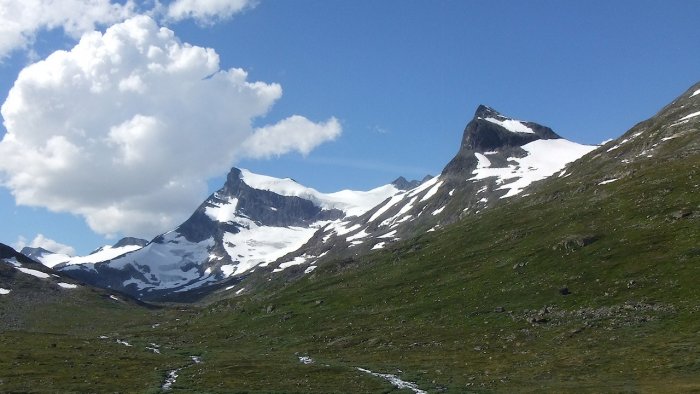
x: 172, y: 375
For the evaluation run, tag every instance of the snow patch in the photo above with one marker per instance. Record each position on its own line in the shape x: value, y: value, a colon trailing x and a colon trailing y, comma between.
x: 306, y: 360
x: 401, y: 212
x: 378, y: 246
x: 432, y: 192
x: 32, y: 272
x: 310, y: 269
x: 695, y: 93
x: 262, y: 244
x: 694, y: 114
x: 67, y: 285
x: 4, y: 291
x: 671, y: 137
x: 438, y: 211
x: 353, y: 203
x: 392, y: 201
x: 608, y: 181
x: 223, y: 212
x: 359, y: 235
x: 13, y: 261
x: 425, y: 186
x: 125, y: 343
x: 297, y: 261
x: 484, y: 162
x: 512, y: 125
x: 173, y: 262
x: 390, y: 234
x: 544, y: 158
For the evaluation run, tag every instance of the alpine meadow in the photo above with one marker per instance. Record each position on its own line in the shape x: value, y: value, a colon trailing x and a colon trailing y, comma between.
x: 220, y: 262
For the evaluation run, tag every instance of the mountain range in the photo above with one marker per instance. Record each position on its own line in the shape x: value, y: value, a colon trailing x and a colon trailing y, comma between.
x: 530, y: 263
x: 255, y: 222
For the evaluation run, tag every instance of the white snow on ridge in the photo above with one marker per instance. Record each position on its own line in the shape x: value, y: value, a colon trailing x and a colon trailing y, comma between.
x: 32, y: 272
x: 13, y: 261
x: 390, y: 234
x: 392, y: 201
x: 694, y: 114
x: 695, y: 93
x: 512, y: 125
x: 358, y: 235
x: 424, y: 186
x: 4, y: 291
x: 299, y: 260
x: 378, y: 246
x: 438, y: 211
x: 52, y: 259
x: 224, y: 212
x: 166, y: 262
x: 104, y: 254
x: 432, y: 191
x: 67, y: 285
x: 545, y: 157
x: 353, y: 203
x: 608, y: 181
x: 484, y: 161
x: 261, y: 244
x: 310, y: 269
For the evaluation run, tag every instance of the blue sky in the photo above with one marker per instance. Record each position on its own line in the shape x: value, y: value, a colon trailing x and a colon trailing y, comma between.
x: 403, y: 78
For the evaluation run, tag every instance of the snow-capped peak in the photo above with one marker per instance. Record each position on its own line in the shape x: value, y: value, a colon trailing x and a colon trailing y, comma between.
x: 351, y: 202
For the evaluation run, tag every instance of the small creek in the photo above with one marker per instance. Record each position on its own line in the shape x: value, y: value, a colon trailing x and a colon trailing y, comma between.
x: 172, y: 375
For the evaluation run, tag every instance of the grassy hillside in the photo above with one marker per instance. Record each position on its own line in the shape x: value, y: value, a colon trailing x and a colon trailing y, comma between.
x: 589, y: 284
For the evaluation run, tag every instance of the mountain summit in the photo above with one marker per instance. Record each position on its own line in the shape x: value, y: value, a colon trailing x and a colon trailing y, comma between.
x: 252, y: 221
x: 498, y: 158
x: 491, y: 132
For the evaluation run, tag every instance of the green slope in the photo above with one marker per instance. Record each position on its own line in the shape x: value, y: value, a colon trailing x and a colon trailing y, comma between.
x: 578, y: 287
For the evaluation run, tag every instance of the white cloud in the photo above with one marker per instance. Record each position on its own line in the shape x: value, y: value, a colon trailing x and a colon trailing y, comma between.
x: 206, y: 11
x: 20, y: 21
x: 295, y: 133
x: 125, y: 128
x: 40, y: 241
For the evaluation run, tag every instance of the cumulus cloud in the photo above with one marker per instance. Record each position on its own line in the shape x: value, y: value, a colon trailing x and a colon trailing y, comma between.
x: 206, y: 11
x: 40, y: 241
x: 20, y: 21
x: 125, y: 128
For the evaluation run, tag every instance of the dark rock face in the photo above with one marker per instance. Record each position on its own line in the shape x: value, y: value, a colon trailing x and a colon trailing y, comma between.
x: 261, y: 206
x: 482, y: 135
x: 402, y: 183
x: 133, y: 274
x: 130, y: 241
x: 8, y: 252
x: 34, y: 253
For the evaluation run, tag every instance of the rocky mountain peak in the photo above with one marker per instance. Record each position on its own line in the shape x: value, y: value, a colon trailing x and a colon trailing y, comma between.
x: 490, y: 131
x: 34, y: 252
x: 483, y: 111
x: 402, y: 183
x: 127, y: 241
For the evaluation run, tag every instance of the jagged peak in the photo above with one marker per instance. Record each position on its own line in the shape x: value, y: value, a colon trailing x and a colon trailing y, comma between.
x: 27, y: 250
x: 402, y: 183
x: 129, y: 241
x: 491, y: 131
x: 484, y: 111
